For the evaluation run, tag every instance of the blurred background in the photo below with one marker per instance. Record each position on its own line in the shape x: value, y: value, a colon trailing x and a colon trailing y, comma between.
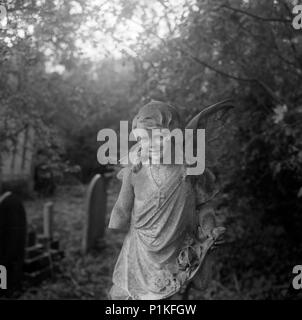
x: 71, y: 68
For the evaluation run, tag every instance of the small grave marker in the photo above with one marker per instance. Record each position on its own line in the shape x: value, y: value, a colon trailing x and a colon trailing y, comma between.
x: 48, y: 220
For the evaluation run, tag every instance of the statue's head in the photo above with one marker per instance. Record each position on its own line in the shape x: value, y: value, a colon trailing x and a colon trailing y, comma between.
x: 153, y: 125
x: 157, y: 115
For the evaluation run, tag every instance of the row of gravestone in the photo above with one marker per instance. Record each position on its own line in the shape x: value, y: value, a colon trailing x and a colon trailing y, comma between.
x: 33, y: 258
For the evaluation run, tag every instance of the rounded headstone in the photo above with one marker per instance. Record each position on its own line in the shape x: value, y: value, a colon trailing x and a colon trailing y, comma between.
x: 95, y: 214
x: 12, y: 239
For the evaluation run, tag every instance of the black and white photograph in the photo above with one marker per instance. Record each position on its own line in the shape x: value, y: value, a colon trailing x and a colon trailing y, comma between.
x: 150, y: 150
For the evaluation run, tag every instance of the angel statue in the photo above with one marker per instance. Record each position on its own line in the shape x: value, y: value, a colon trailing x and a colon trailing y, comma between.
x: 171, y: 225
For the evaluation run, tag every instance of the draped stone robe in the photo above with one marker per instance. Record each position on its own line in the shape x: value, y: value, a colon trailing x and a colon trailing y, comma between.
x: 160, y: 219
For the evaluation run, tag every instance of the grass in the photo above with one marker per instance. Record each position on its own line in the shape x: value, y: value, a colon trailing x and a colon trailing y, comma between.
x: 82, y: 276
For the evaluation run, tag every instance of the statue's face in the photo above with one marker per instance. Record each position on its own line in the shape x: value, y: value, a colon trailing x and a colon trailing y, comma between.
x: 160, y: 143
x: 152, y: 125
x: 154, y: 143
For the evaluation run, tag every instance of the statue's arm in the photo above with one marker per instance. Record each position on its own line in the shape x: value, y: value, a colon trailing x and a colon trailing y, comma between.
x: 121, y: 212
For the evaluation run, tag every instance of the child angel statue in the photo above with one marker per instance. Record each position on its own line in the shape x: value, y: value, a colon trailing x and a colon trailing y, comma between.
x: 171, y: 228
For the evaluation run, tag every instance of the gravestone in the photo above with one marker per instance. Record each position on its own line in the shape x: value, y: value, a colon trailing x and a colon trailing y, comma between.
x: 95, y: 214
x: 12, y: 239
x: 48, y: 220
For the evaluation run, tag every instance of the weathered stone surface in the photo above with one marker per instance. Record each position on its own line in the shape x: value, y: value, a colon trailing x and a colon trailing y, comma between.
x: 94, y: 227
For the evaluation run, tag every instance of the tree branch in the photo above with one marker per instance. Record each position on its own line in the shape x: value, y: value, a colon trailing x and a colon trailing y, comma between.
x: 265, y: 19
x: 234, y: 77
x: 218, y: 71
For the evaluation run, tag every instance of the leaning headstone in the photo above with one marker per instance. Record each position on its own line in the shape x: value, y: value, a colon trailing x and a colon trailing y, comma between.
x: 12, y: 239
x: 94, y: 227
